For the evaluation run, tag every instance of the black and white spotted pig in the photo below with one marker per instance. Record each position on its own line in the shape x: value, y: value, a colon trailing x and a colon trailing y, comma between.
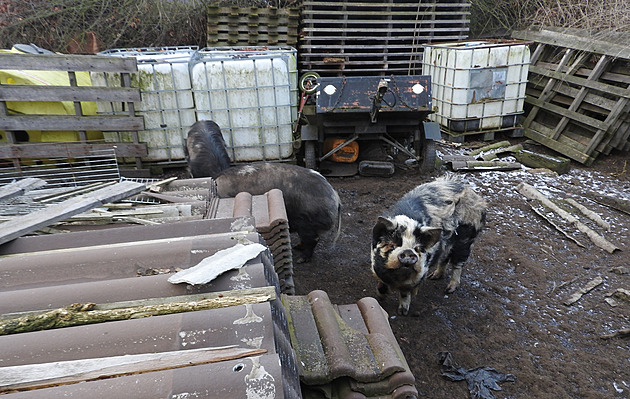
x: 431, y: 226
x: 312, y: 204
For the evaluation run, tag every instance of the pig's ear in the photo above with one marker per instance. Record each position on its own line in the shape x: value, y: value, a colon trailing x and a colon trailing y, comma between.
x: 381, y: 228
x: 429, y: 236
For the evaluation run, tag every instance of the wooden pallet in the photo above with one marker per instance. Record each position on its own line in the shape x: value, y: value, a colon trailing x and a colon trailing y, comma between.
x: 12, y: 122
x: 376, y: 37
x: 251, y: 26
x: 578, y: 93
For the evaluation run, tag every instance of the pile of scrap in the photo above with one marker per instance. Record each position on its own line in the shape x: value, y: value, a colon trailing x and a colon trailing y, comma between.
x: 132, y: 203
x: 346, y: 351
x: 578, y: 91
x: 80, y: 302
x: 492, y: 157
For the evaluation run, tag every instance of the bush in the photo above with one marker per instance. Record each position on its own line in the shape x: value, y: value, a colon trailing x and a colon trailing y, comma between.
x: 55, y: 25
x: 493, y: 18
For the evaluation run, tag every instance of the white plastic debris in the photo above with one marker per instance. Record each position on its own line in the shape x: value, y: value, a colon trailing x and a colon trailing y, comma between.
x: 212, y: 266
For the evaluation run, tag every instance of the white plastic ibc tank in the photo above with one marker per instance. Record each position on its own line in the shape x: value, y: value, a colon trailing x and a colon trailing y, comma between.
x: 251, y: 93
x: 167, y: 103
x: 477, y: 85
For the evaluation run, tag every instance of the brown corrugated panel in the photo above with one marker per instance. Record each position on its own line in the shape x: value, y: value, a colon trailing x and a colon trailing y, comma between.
x: 126, y: 234
x: 254, y: 274
x: 348, y: 351
x: 272, y: 223
x: 240, y: 378
x: 97, y: 263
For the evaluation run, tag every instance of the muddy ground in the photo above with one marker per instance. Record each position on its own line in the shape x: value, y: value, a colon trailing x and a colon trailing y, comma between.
x: 509, y: 312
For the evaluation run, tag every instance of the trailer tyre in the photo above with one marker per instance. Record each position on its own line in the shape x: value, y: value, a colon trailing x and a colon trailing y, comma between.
x: 427, y: 153
x: 309, y: 154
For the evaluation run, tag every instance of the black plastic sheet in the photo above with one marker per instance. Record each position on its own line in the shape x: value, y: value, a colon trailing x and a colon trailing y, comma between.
x: 480, y: 380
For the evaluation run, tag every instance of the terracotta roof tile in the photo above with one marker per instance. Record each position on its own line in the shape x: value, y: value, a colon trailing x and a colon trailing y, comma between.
x: 349, y: 348
x: 271, y: 222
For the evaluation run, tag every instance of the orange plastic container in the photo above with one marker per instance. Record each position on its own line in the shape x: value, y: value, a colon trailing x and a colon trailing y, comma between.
x: 348, y: 153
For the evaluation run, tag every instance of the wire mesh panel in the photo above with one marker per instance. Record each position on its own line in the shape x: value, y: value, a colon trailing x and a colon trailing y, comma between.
x: 99, y: 166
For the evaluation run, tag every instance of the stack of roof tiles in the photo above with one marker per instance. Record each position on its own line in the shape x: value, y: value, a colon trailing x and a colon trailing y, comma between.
x: 346, y: 351
x: 271, y: 222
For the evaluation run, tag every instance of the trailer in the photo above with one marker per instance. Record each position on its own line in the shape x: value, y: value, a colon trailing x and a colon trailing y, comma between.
x: 367, y: 109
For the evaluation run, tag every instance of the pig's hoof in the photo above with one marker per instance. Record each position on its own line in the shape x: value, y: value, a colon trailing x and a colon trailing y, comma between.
x: 435, y: 275
x: 451, y: 287
x: 403, y: 310
x: 302, y: 259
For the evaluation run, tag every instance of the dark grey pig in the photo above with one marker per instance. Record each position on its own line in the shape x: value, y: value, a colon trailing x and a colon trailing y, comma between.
x: 205, y: 150
x: 312, y: 204
x: 431, y: 226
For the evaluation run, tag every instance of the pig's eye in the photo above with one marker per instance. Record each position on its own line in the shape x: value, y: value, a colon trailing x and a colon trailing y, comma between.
x: 418, y: 249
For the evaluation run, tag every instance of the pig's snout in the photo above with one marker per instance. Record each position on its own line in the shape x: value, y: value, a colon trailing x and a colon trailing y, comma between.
x: 407, y: 257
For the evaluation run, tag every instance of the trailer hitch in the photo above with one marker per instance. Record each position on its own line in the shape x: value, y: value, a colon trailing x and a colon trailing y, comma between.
x: 381, y: 89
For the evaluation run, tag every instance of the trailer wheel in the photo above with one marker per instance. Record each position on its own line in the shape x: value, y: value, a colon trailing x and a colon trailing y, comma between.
x: 309, y: 154
x: 426, y: 149
x: 308, y: 82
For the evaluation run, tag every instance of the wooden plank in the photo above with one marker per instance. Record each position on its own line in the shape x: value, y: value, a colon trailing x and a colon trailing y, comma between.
x: 90, y: 313
x: 602, y: 64
x: 67, y: 62
x: 592, y: 102
x: 534, y: 133
x: 314, y: 3
x: 70, y: 150
x: 579, y: 40
x: 67, y: 93
x: 408, y: 24
x: 357, y: 31
x: 612, y: 118
x: 37, y: 376
x: 103, y: 123
x: 311, y: 15
x: 600, y: 86
x: 34, y: 221
x: 570, y: 114
x: 20, y: 187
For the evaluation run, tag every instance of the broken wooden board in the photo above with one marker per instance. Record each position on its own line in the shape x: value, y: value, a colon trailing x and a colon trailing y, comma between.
x: 37, y: 376
x: 484, y: 165
x: 90, y: 313
x: 22, y: 225
x: 533, y: 194
x: 532, y: 159
x: 20, y: 187
x: 584, y: 290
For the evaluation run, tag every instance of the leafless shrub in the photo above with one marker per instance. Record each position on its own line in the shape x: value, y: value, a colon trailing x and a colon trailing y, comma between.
x: 115, y: 23
x: 499, y: 17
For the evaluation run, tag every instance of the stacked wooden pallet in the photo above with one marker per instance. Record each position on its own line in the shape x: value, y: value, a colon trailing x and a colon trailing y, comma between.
x: 35, y: 120
x: 251, y: 26
x: 376, y: 37
x: 578, y: 93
